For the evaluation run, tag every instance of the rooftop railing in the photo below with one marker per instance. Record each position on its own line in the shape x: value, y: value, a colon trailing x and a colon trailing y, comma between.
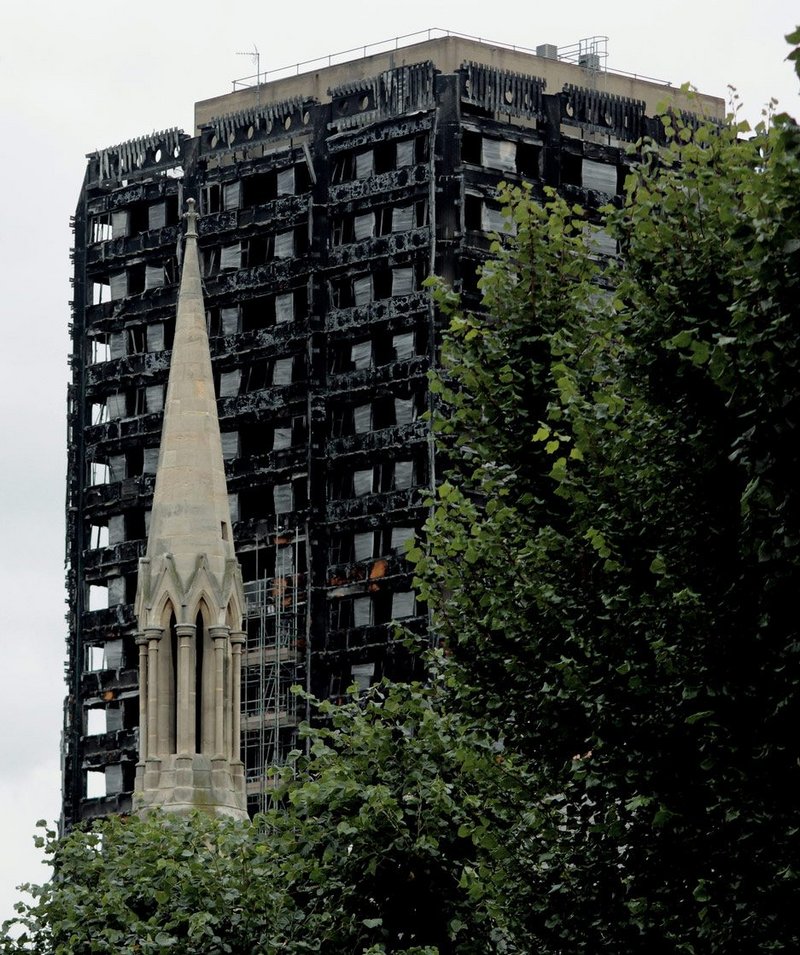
x: 591, y: 53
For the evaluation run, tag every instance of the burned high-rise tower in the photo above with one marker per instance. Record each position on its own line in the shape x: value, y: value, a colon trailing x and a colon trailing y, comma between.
x: 326, y: 199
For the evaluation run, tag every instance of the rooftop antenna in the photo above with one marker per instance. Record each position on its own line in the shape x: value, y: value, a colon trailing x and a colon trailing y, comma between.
x: 255, y: 57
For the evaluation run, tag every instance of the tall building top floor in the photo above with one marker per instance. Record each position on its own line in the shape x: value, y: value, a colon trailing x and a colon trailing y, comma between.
x: 448, y: 54
x: 494, y: 84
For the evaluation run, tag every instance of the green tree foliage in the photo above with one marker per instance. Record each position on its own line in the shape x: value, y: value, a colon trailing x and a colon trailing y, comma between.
x: 605, y: 758
x: 615, y: 558
x: 397, y: 824
x: 395, y: 834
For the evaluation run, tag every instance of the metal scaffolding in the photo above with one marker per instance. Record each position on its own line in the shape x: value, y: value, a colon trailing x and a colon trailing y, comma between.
x: 273, y: 662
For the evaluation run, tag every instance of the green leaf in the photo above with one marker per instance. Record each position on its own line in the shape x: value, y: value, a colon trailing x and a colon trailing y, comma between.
x: 699, y: 716
x: 657, y: 565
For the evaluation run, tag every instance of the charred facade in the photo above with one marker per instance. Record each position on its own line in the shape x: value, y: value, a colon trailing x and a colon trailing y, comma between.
x: 321, y: 216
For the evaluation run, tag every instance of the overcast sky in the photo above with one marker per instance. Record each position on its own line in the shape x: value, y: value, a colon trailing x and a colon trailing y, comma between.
x: 79, y: 76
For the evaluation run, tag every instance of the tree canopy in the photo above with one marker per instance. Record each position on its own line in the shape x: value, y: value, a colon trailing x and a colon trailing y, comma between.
x: 605, y: 756
x: 613, y: 561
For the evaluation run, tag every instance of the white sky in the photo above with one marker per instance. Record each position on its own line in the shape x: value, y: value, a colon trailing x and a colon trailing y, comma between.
x: 82, y: 75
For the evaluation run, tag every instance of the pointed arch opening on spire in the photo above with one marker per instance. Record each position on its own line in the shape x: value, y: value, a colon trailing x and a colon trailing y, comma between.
x: 168, y: 686
x: 200, y: 679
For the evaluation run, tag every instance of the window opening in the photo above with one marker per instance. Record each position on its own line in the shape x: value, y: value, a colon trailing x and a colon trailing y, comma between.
x: 257, y: 375
x: 362, y: 611
x: 402, y: 604
x: 231, y: 195
x: 139, y: 218
x: 135, y: 525
x: 364, y: 226
x: 405, y: 153
x: 528, y: 160
x: 157, y: 216
x: 285, y: 182
x: 343, y: 168
x: 382, y: 352
x: 361, y: 355
x: 499, y: 154
x: 340, y: 485
x: 365, y: 164
x: 599, y: 176
x: 382, y: 283
x: 211, y: 259
x: 383, y: 220
x: 230, y: 256
x: 340, y: 290
x: 284, y: 245
x: 471, y: 147
x: 403, y: 344
x: 94, y: 659
x: 385, y: 157
x: 340, y: 550
x: 136, y: 278
x: 404, y: 218
x: 120, y: 223
x: 362, y: 418
x: 259, y: 189
x: 283, y: 371
x: 229, y: 320
x: 283, y: 307
x: 98, y: 597
x: 136, y: 340
x: 95, y: 784
x: 341, y: 422
x: 384, y: 476
x: 472, y: 212
x: 118, y: 286
x: 363, y: 290
x: 95, y: 721
x: 402, y: 281
x: 403, y: 474
x: 230, y: 445
x: 155, y: 337
x: 400, y: 535
x: 154, y: 276
x: 571, y: 169
x: 254, y: 439
x: 99, y: 292
x: 135, y: 402
x: 257, y: 251
x: 134, y: 461
x: 101, y: 228
x: 258, y: 313
x: 211, y: 198
x: 100, y: 349
x: 98, y: 536
x: 169, y: 333
x: 362, y: 674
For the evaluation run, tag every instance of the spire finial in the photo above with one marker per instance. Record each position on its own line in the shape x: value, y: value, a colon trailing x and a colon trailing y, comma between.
x: 191, y: 217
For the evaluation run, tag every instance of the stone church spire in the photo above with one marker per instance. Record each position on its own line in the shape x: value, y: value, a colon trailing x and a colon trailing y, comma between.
x: 189, y: 599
